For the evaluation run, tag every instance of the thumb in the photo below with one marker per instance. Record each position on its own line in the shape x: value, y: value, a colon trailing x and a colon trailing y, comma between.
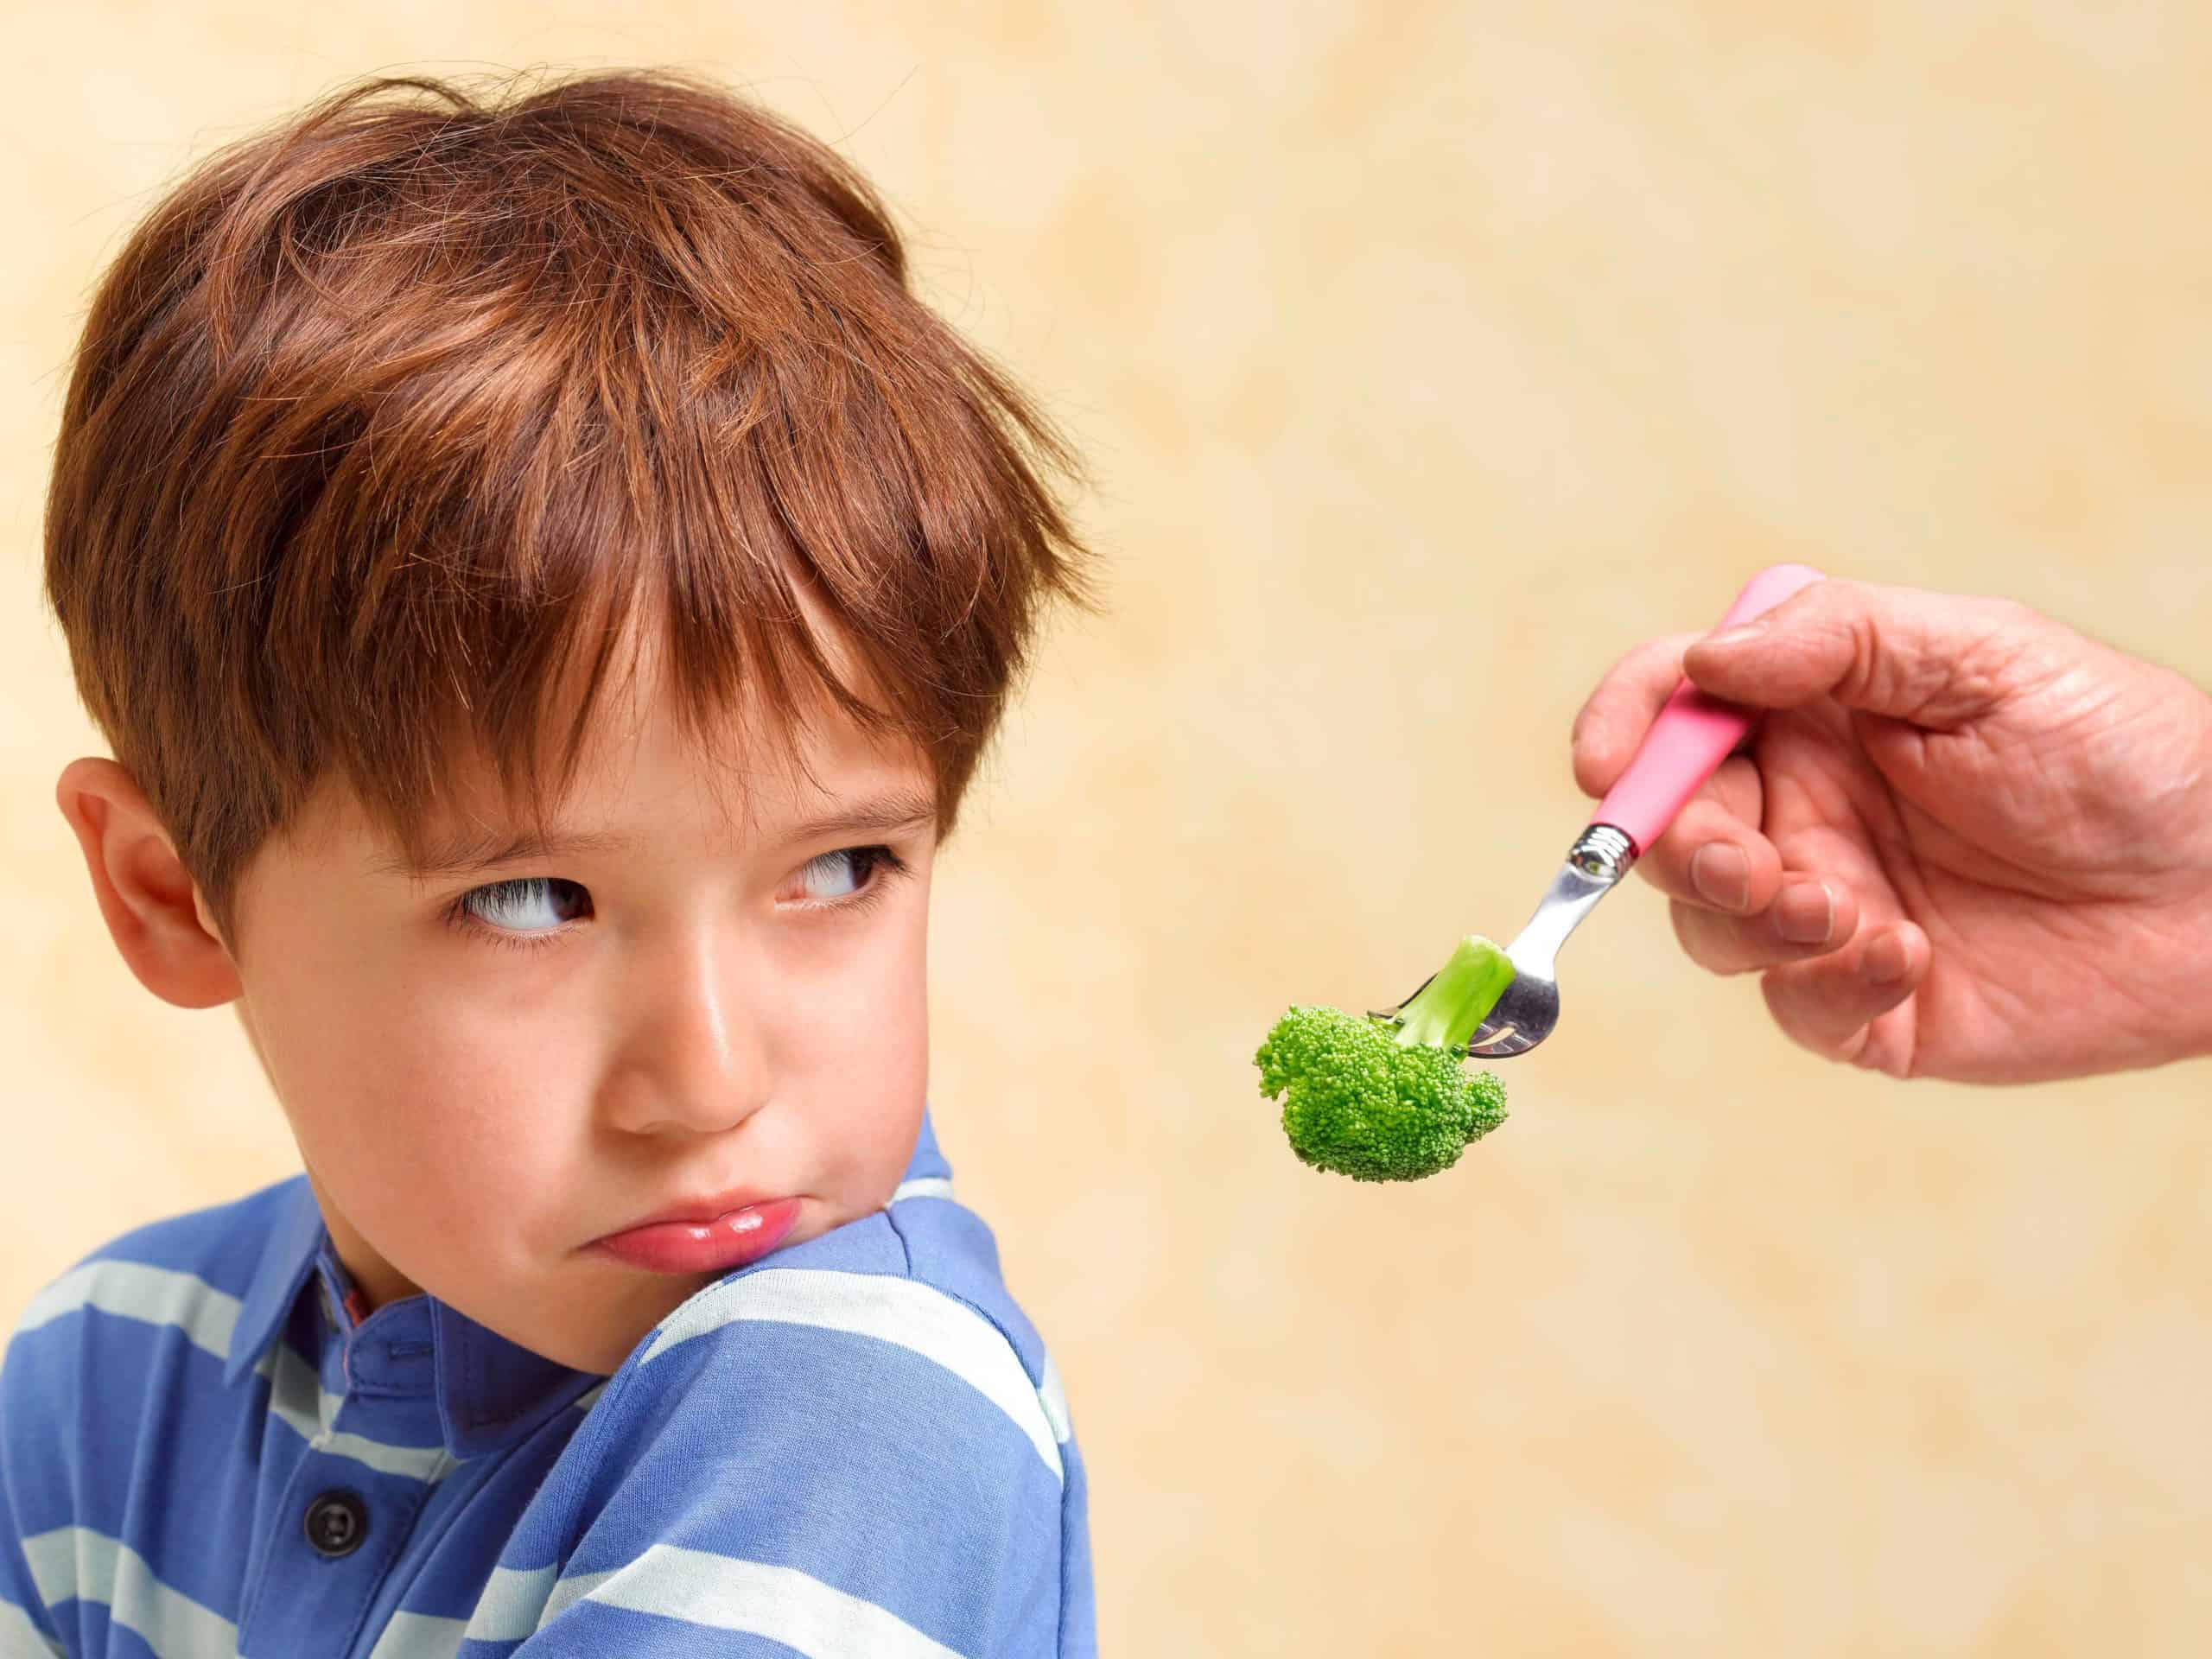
x: 1937, y: 660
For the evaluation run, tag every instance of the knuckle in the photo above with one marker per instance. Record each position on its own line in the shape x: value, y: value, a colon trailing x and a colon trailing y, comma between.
x: 1688, y: 934
x: 1590, y: 777
x: 1713, y: 941
x: 1876, y: 667
x: 1580, y: 728
x: 1788, y: 1008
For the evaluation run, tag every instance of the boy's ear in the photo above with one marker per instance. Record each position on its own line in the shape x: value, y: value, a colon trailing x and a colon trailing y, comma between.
x: 152, y: 908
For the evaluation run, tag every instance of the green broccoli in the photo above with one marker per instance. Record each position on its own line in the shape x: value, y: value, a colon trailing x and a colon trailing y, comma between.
x: 1388, y: 1100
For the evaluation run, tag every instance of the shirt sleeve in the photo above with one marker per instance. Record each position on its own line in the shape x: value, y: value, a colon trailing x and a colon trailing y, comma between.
x: 27, y: 1628
x: 819, y: 1462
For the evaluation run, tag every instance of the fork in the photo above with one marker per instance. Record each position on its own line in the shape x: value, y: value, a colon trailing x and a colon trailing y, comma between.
x: 1693, y: 734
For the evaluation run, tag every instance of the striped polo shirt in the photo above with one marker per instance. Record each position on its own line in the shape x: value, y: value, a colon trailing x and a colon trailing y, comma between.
x: 854, y: 1446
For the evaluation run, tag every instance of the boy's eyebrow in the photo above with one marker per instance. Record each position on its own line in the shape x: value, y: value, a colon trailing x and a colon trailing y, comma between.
x: 471, y: 852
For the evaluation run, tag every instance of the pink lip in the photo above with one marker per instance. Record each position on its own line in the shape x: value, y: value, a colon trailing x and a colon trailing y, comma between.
x: 743, y: 1233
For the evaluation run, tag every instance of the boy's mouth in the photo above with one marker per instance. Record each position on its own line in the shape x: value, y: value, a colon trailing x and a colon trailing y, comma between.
x: 731, y: 1239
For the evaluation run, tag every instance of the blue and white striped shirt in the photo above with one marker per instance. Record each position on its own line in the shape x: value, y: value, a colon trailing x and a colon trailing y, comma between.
x: 855, y: 1446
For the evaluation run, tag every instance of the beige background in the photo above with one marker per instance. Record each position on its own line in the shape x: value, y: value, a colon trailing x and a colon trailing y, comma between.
x: 1429, y: 355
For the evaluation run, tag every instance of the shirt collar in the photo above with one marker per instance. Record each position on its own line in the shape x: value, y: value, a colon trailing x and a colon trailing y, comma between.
x: 287, y: 1260
x: 491, y: 1392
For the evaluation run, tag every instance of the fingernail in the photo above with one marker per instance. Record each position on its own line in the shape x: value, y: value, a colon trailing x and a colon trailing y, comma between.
x: 1805, y: 914
x: 1886, y: 960
x: 1722, y: 875
x: 1727, y: 637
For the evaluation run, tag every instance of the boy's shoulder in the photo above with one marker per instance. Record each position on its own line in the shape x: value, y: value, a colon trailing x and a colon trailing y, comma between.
x: 858, y: 1435
x: 920, y: 1276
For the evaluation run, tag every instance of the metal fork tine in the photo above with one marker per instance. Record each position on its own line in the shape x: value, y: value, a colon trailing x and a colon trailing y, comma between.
x: 1528, y: 1009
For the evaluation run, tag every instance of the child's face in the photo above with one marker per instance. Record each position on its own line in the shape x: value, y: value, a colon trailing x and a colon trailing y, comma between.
x: 474, y: 1109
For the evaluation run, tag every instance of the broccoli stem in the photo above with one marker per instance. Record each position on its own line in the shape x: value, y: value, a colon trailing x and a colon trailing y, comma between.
x: 1446, y: 1010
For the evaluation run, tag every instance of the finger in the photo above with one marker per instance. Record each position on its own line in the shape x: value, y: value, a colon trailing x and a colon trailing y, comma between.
x: 1808, y: 918
x: 1848, y: 1005
x: 1713, y: 854
x: 1612, y: 723
x: 1937, y: 660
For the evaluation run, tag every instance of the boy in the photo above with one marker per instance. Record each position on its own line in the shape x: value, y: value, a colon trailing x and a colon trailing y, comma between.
x: 547, y: 584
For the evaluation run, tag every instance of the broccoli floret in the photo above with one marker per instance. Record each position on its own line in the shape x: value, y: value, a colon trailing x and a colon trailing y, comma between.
x: 1390, y: 1100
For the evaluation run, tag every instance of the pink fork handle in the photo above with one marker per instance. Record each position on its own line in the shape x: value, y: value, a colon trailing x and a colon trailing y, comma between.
x: 1694, y: 733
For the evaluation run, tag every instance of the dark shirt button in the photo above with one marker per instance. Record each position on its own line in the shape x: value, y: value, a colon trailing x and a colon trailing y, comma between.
x: 337, y: 1522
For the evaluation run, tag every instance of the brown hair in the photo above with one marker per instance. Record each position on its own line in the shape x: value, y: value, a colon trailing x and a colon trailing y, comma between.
x: 383, y: 413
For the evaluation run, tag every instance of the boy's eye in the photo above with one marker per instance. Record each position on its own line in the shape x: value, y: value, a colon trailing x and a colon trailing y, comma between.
x: 532, y: 909
x: 848, y: 865
x: 855, y: 877
x: 529, y: 903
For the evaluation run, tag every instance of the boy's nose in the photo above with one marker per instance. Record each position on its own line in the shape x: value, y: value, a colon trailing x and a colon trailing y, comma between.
x: 696, y: 1056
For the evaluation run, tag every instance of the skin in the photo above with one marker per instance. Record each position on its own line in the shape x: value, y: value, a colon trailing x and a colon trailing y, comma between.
x: 1969, y: 843
x: 471, y: 1115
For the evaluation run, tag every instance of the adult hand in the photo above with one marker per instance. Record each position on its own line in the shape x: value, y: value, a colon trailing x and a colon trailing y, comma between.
x: 1969, y: 843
